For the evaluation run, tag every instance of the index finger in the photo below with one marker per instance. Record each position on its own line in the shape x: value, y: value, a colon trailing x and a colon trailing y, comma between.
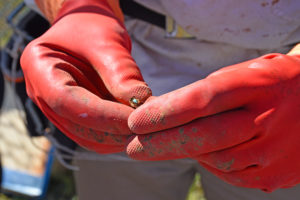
x: 228, y: 89
x: 201, y: 136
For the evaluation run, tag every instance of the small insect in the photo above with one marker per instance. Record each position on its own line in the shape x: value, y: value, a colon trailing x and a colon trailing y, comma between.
x: 134, y: 102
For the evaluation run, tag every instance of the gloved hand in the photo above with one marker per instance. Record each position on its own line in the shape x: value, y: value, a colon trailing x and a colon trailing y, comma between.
x: 82, y: 76
x: 242, y: 123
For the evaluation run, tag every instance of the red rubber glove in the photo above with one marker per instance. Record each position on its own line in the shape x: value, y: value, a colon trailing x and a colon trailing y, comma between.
x: 82, y: 76
x: 242, y: 123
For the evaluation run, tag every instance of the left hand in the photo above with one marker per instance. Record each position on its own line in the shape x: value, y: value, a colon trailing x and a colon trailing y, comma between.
x: 242, y: 123
x: 81, y: 75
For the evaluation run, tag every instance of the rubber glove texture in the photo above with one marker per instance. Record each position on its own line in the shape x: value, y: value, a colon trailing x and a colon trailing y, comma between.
x: 242, y: 123
x: 82, y: 76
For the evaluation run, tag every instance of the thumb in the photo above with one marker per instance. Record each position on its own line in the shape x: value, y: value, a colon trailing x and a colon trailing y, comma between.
x: 124, y: 80
x: 107, y: 49
x: 120, y: 73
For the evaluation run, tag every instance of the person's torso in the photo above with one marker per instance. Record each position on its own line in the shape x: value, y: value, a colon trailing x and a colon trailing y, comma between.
x: 227, y: 32
x: 259, y: 24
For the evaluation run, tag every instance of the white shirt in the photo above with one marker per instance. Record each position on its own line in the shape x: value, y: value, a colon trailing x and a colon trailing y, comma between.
x: 228, y: 32
x: 256, y: 24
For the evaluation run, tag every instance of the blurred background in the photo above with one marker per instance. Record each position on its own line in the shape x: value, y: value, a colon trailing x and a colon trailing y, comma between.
x: 30, y: 167
x: 24, y: 159
x: 6, y: 7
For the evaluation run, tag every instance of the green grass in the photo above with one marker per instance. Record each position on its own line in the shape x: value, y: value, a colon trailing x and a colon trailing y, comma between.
x: 196, y: 191
x: 61, y: 186
x: 6, y: 6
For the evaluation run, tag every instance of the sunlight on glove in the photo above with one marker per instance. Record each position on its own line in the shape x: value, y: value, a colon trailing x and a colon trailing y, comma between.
x: 82, y: 76
x: 241, y: 123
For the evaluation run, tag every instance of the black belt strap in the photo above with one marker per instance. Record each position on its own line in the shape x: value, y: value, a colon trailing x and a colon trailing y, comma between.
x: 135, y: 10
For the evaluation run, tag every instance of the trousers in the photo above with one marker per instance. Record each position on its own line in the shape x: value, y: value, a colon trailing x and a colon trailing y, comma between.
x: 114, y: 179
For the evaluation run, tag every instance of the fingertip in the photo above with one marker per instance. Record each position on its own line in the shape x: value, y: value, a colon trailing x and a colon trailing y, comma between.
x: 139, y: 122
x: 140, y: 93
x: 135, y: 148
x: 147, y: 118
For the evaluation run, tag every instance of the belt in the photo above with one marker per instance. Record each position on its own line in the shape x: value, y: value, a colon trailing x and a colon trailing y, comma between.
x: 137, y: 11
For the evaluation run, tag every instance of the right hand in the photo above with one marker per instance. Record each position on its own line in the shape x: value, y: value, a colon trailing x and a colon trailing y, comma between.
x: 81, y: 75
